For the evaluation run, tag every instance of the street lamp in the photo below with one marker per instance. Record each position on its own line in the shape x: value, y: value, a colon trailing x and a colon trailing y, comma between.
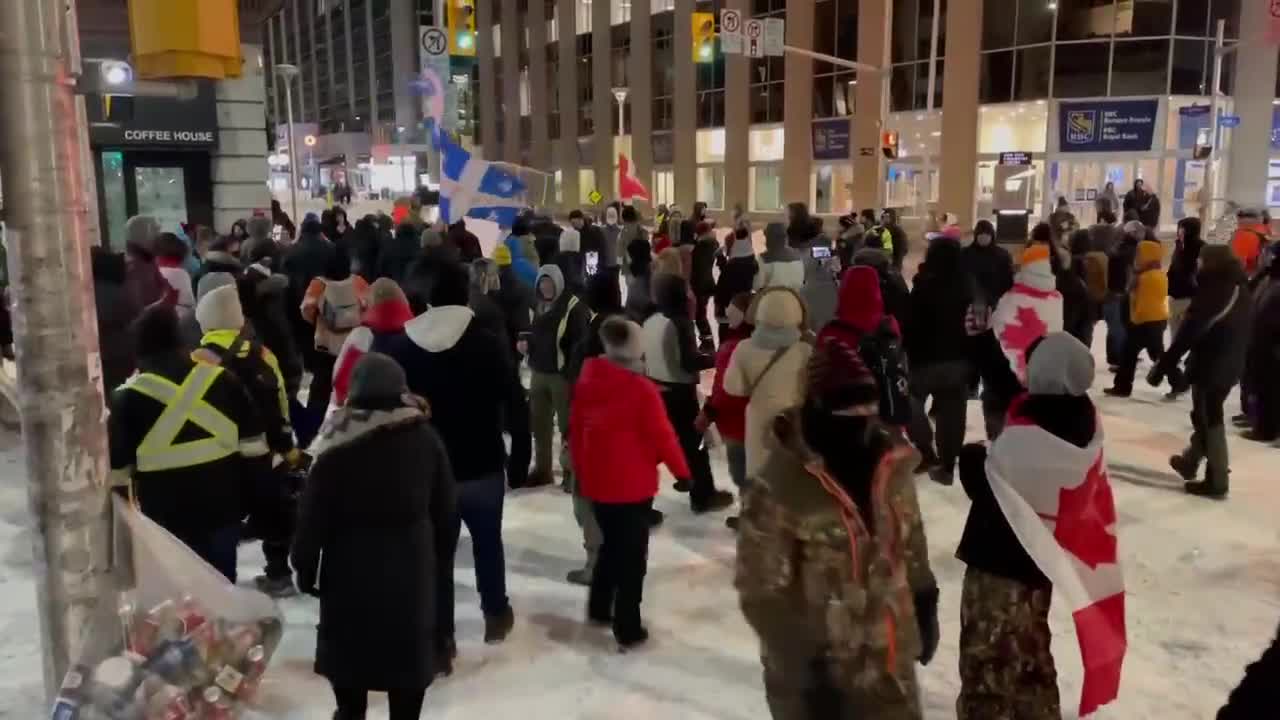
x: 620, y: 94
x: 287, y: 73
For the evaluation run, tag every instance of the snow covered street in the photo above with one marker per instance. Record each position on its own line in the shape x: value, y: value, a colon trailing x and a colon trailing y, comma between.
x: 1203, y: 580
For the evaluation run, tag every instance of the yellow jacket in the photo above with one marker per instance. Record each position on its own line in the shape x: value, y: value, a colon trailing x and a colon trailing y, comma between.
x: 1149, y: 296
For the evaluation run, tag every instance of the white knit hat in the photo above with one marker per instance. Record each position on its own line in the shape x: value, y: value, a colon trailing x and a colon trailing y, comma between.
x: 220, y: 309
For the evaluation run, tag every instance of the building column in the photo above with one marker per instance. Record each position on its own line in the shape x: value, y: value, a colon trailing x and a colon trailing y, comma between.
x: 310, y: 19
x: 404, y: 67
x: 275, y: 52
x: 512, y: 34
x: 539, y: 101
x: 603, y: 106
x: 239, y: 165
x: 875, y: 22
x: 737, y: 122
x: 797, y: 119
x: 489, y: 140
x: 567, y: 149
x: 372, y: 68
x: 640, y: 80
x: 958, y: 175
x: 1254, y: 89
x: 351, y: 69
x: 685, y: 109
x: 297, y: 60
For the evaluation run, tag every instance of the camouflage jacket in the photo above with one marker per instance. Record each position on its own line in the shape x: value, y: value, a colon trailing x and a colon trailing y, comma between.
x: 814, y: 582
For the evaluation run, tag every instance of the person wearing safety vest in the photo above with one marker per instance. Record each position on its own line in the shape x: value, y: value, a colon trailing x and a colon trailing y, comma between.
x: 227, y: 342
x: 560, y: 322
x: 186, y: 440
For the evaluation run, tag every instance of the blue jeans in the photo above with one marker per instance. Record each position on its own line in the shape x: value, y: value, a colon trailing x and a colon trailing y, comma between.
x: 1116, y: 312
x: 480, y: 508
x: 736, y: 455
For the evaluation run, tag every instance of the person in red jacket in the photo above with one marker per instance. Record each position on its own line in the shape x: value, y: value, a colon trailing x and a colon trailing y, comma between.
x: 729, y: 412
x: 618, y: 435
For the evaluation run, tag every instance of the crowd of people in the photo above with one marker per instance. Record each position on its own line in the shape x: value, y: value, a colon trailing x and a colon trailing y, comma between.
x: 834, y: 384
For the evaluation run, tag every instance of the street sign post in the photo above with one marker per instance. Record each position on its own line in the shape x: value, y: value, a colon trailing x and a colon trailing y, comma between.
x: 754, y: 30
x: 595, y: 197
x: 433, y: 44
x: 775, y: 34
x: 731, y: 32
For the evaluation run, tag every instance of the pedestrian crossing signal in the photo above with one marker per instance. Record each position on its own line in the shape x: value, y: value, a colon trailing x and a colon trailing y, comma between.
x: 889, y: 144
x: 704, y: 37
x: 462, y: 28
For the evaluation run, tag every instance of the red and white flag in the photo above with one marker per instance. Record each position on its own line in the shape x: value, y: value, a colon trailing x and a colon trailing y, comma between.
x: 629, y: 186
x: 1029, y: 311
x: 1057, y: 498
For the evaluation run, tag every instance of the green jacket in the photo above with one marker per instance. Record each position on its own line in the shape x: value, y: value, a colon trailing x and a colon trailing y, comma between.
x: 816, y: 584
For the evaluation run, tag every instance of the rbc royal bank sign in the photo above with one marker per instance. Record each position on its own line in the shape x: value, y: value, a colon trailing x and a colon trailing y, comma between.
x: 1107, y: 126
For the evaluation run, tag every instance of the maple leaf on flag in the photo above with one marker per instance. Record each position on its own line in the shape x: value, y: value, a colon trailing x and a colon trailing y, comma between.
x: 1019, y: 335
x: 1085, y: 515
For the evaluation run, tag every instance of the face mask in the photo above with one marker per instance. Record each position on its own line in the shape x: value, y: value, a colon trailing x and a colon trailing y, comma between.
x: 740, y: 234
x: 983, y: 240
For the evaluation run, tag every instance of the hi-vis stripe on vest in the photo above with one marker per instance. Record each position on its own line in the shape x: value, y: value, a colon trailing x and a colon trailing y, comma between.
x: 184, y: 404
x: 564, y: 325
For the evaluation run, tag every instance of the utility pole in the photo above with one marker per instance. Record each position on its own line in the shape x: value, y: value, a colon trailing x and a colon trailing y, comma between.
x: 47, y: 196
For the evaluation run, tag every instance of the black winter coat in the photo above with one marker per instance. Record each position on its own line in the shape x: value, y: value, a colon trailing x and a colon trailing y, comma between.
x: 374, y: 527
x: 1120, y: 265
x: 990, y: 269
x: 737, y: 276
x: 935, y: 331
x: 702, y: 278
x: 117, y: 309
x: 309, y: 258
x: 265, y: 300
x: 1215, y: 331
x: 1258, y: 694
x: 515, y: 299
x: 1078, y: 314
x: 419, y: 280
x: 1182, y: 269
x: 988, y: 543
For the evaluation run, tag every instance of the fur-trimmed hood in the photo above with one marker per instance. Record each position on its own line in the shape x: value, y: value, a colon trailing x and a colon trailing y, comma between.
x: 349, y: 424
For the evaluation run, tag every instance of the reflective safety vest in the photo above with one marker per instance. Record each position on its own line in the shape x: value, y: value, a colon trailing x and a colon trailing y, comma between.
x: 564, y: 326
x: 184, y: 403
x: 886, y: 241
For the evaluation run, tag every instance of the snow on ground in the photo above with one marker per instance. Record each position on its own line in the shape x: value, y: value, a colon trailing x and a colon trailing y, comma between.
x: 1203, y: 578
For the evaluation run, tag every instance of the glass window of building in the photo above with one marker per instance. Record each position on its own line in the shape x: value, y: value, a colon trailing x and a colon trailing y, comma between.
x: 902, y: 87
x: 995, y: 84
x: 1144, y: 19
x: 1140, y: 67
x: 1085, y: 19
x: 997, y: 30
x: 1192, y: 18
x: 766, y: 188
x: 1080, y: 69
x: 1191, y: 67
x: 1031, y: 73
x: 1035, y: 20
x: 1228, y: 10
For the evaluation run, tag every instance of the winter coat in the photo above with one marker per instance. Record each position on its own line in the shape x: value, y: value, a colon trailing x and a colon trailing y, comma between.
x: 419, y: 280
x: 610, y: 250
x: 935, y: 329
x: 619, y: 434
x: 465, y: 374
x: 860, y: 311
x: 990, y: 269
x: 144, y: 283
x: 547, y: 246
x: 737, y: 276
x: 820, y: 285
x: 782, y: 386
x: 1215, y: 329
x: 195, y: 500
x: 629, y: 240
x: 1120, y: 265
x: 259, y: 373
x: 264, y: 296
x: 670, y: 340
x: 1149, y: 299
x: 398, y: 253
x: 309, y: 258
x: 1182, y: 268
x: 728, y: 412
x: 323, y: 293
x: 1264, y: 342
x: 780, y: 266
x: 1105, y: 237
x: 217, y: 261
x: 893, y: 288
x: 1146, y: 204
x: 702, y: 273
x: 374, y: 534
x: 826, y: 591
x: 988, y: 542
x: 179, y: 281
x: 558, y: 327
x: 1247, y: 243
x: 1078, y: 314
x: 116, y: 310
x: 384, y: 319
x: 1258, y: 694
x: 515, y: 299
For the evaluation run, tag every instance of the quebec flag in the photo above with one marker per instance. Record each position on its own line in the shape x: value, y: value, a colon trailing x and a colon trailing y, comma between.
x: 471, y: 187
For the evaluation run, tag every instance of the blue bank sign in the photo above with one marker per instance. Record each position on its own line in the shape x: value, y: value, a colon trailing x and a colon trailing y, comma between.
x: 831, y: 139
x: 1107, y: 126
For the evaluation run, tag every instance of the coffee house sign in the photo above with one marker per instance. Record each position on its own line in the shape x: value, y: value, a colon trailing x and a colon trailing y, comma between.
x: 180, y: 137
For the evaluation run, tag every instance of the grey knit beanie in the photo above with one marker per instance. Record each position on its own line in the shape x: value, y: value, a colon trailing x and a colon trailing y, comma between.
x: 1060, y: 365
x: 376, y: 382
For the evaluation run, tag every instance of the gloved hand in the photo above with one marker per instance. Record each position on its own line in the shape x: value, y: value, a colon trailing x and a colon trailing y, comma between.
x: 926, y: 602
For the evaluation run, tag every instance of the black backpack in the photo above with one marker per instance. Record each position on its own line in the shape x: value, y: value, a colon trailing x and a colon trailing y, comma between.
x: 882, y: 352
x: 257, y: 377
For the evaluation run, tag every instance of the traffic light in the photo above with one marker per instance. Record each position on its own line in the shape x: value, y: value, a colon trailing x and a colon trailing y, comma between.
x: 889, y: 144
x: 462, y: 28
x: 704, y: 37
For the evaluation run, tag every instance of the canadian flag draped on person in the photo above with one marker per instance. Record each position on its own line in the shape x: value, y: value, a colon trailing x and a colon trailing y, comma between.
x: 629, y: 186
x: 1030, y: 310
x: 1057, y: 499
